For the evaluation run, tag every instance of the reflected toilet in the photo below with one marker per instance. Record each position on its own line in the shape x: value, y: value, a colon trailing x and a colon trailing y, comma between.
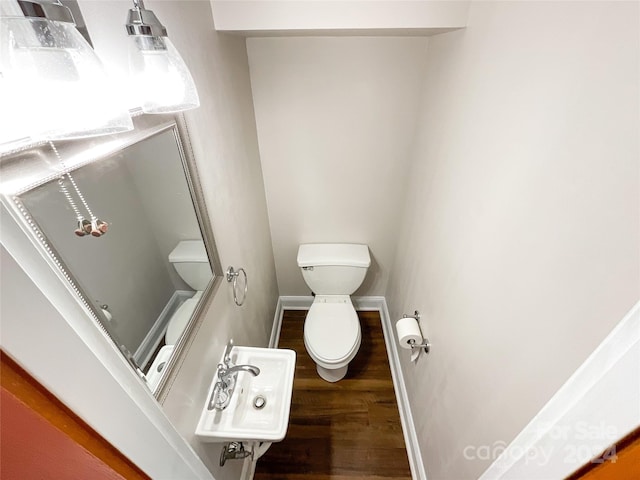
x: 190, y: 260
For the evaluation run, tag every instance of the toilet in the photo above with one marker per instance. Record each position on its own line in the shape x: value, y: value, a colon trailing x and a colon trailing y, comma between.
x: 332, y: 335
x: 190, y: 260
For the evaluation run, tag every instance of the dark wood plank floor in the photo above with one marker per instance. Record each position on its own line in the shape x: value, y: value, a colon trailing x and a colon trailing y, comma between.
x: 340, y: 431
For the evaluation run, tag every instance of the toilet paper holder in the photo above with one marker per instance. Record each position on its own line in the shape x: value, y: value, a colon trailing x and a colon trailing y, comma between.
x: 426, y: 344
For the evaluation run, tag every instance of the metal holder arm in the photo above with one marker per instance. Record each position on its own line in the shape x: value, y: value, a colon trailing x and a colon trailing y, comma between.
x: 426, y: 344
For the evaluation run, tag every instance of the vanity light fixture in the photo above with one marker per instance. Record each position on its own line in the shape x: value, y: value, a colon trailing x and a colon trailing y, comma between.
x: 53, y: 84
x: 160, y: 77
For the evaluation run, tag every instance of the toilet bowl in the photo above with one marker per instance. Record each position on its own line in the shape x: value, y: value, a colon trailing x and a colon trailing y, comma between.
x: 332, y: 333
x: 180, y: 319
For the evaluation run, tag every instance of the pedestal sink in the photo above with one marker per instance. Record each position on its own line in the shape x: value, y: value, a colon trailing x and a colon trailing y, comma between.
x: 259, y: 406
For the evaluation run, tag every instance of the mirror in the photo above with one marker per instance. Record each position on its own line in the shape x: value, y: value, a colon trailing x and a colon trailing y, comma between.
x: 122, y: 218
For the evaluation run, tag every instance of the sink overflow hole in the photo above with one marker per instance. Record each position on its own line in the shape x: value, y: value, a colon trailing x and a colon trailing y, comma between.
x: 259, y: 402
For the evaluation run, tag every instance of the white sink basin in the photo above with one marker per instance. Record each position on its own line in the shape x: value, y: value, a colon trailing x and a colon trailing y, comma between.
x: 241, y: 419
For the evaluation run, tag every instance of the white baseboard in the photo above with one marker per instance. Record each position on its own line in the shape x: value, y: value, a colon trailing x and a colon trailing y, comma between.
x: 369, y: 304
x: 296, y: 303
x: 378, y: 304
x: 277, y: 325
x: 406, y: 417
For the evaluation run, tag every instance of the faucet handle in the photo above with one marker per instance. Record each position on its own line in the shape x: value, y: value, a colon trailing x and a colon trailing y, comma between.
x: 227, y: 353
x: 222, y: 371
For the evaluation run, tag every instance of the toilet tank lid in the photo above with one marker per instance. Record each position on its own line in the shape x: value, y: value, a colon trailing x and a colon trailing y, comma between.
x: 189, y: 251
x: 333, y: 254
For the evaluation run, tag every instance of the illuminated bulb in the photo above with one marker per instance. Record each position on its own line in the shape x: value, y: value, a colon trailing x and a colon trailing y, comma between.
x: 53, y: 85
x: 160, y: 77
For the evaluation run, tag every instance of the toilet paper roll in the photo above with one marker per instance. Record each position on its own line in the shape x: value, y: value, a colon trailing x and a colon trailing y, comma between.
x: 408, y: 329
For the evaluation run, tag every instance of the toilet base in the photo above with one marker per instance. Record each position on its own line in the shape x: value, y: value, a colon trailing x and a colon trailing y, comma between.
x: 332, y: 375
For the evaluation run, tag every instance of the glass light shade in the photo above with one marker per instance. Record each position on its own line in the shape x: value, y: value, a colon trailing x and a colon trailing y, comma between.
x: 53, y: 83
x: 162, y: 80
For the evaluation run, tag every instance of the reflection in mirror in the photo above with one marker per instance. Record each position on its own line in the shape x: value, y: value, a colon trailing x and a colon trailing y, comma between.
x: 143, y: 268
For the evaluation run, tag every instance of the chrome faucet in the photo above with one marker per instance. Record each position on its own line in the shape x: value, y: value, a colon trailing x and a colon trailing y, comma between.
x: 227, y: 377
x: 224, y: 373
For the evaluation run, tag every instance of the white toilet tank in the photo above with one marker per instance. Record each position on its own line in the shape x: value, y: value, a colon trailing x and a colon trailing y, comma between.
x: 333, y: 268
x: 190, y: 260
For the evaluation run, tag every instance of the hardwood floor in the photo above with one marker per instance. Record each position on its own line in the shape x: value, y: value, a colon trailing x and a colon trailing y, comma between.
x: 345, y: 430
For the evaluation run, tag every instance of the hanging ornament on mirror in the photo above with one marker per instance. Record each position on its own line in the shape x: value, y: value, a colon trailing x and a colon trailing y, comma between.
x: 95, y: 227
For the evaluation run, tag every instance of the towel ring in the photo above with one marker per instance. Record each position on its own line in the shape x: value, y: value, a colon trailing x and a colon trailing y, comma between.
x: 232, y: 276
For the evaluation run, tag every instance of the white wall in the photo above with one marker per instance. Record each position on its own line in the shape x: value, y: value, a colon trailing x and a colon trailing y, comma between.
x: 583, y: 418
x: 335, y: 120
x: 291, y: 17
x: 519, y: 242
x: 158, y: 174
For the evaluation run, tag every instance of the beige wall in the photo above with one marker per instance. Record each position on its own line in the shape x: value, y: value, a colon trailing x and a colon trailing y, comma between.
x: 519, y: 242
x: 225, y: 145
x: 335, y: 120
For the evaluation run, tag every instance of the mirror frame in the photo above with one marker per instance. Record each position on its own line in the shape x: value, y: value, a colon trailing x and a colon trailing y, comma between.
x: 26, y: 168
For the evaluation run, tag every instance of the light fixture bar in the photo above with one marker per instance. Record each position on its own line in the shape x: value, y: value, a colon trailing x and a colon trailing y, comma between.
x: 49, y: 10
x: 144, y: 22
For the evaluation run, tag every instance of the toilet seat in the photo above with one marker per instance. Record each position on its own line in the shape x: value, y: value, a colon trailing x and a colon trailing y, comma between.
x: 332, y: 331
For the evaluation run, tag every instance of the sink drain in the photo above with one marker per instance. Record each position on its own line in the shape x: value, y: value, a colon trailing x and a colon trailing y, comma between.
x: 259, y: 402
